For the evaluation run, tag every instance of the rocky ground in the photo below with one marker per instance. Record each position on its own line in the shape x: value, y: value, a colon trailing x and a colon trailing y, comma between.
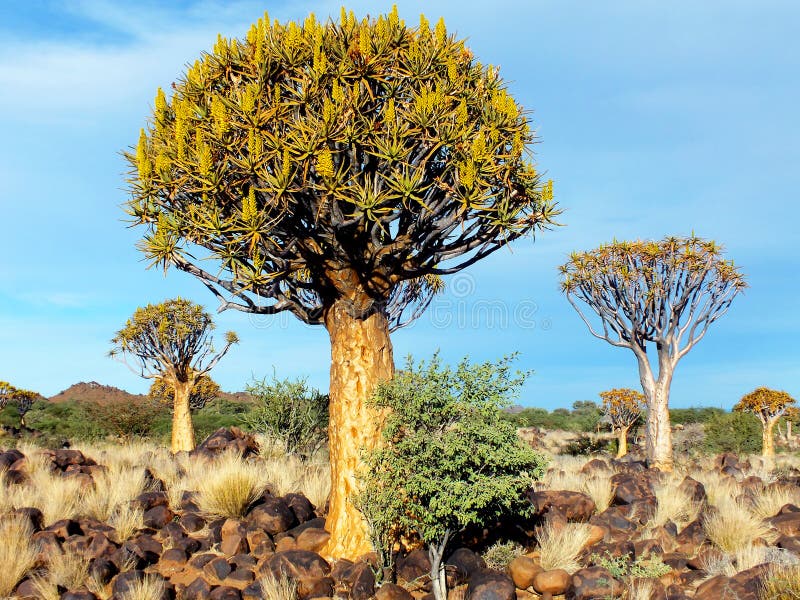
x: 599, y: 529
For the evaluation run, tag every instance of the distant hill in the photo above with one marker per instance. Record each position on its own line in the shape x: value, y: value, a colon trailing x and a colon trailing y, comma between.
x: 94, y: 392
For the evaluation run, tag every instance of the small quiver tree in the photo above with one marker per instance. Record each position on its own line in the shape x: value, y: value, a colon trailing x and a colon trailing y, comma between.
x: 335, y: 171
x: 622, y: 408
x: 658, y: 295
x: 447, y: 459
x: 791, y: 419
x: 24, y: 399
x: 769, y: 406
x: 171, y: 341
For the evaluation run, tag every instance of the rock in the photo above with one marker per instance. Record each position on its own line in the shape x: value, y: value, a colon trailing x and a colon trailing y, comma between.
x: 273, y: 516
x: 253, y: 591
x: 575, y: 506
x: 487, y: 584
x: 148, y: 500
x: 691, y: 538
x: 554, y: 582
x: 199, y: 589
x: 233, y: 537
x: 596, y: 466
x: 192, y: 522
x: 613, y: 521
x: 298, y: 564
x: 597, y: 534
x: 413, y: 566
x: 301, y: 507
x: 158, y: 516
x: 523, y: 569
x: 224, y: 440
x: 172, y: 561
x: 27, y: 589
x: 240, y: 578
x: 225, y: 592
x: 391, y: 591
x: 461, y: 564
x: 630, y: 487
x: 787, y: 523
x: 594, y: 582
x: 362, y: 582
x: 99, y: 545
x: 285, y: 544
x: 316, y: 587
x: 65, y: 528
x: 78, y: 595
x: 33, y: 515
x: 65, y: 457
x: 216, y: 570
x: 122, y: 583
x: 312, y: 539
x: 102, y: 569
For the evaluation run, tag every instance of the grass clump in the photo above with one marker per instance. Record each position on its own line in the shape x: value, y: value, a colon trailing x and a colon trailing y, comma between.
x: 17, y: 552
x: 733, y: 527
x: 622, y: 567
x: 500, y: 554
x: 148, y: 587
x: 783, y: 583
x: 768, y: 502
x: 230, y: 485
x: 278, y: 588
x: 560, y: 546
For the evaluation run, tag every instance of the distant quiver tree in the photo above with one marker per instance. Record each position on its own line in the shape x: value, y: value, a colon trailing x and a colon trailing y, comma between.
x: 622, y: 407
x: 653, y: 295
x: 769, y: 406
x: 336, y: 171
x: 171, y: 342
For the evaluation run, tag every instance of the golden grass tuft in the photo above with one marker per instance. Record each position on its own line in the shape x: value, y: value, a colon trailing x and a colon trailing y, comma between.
x: 768, y: 502
x: 673, y: 504
x: 732, y: 527
x: 278, y: 588
x: 600, y: 490
x: 63, y: 569
x: 560, y: 545
x: 641, y: 589
x: 146, y: 588
x: 230, y: 485
x: 783, y: 583
x: 17, y: 552
x: 315, y: 484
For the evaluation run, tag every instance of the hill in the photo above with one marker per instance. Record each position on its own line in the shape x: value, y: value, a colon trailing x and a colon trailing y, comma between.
x: 93, y: 392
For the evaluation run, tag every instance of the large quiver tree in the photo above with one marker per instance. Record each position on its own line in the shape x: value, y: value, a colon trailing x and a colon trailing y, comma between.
x: 171, y: 343
x: 659, y: 295
x: 335, y: 171
x: 769, y: 406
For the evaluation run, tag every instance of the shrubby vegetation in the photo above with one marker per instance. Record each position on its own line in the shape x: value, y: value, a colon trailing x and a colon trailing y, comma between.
x: 584, y: 416
x: 733, y: 432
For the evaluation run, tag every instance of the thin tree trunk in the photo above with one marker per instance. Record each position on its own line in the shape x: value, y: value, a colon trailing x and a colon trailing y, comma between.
x: 361, y: 358
x: 788, y: 432
x: 658, y: 432
x: 182, y: 427
x: 438, y: 574
x: 622, y: 442
x: 768, y: 440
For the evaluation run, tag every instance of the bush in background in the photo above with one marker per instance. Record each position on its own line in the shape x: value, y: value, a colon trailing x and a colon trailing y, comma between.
x: 733, y: 432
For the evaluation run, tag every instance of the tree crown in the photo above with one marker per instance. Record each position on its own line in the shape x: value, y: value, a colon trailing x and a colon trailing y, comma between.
x: 311, y: 160
x: 765, y: 403
x: 172, y: 339
x: 23, y: 398
x: 622, y: 406
x: 667, y: 291
x: 203, y: 391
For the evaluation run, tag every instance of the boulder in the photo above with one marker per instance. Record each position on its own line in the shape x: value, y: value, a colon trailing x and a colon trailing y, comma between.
x: 555, y: 581
x: 594, y: 582
x: 231, y: 439
x: 199, y: 589
x: 273, y: 515
x: 523, y: 570
x: 460, y: 565
x: 298, y: 564
x: 487, y: 584
x: 575, y: 506
x: 301, y: 507
x: 413, y: 566
x: 390, y: 591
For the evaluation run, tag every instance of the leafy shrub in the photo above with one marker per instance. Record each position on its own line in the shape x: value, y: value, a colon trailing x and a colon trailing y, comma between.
x: 702, y: 414
x: 447, y: 461
x: 584, y: 416
x: 65, y: 420
x: 290, y: 412
x: 127, y: 419
x: 585, y: 445
x: 733, y: 432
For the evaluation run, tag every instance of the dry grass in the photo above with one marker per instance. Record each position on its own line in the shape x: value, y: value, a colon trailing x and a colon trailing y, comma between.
x: 599, y: 489
x: 641, y: 589
x: 126, y: 519
x: 114, y: 487
x: 230, y: 485
x: 733, y: 527
x: 673, y: 504
x: 560, y: 546
x: 17, y: 552
x: 719, y: 488
x: 768, y: 502
x: 64, y: 569
x: 783, y: 583
x: 146, y: 588
x: 316, y: 484
x: 282, y: 588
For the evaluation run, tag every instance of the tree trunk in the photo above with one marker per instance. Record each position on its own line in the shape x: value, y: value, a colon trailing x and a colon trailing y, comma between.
x: 438, y: 575
x: 361, y: 358
x: 622, y: 442
x: 788, y: 432
x: 658, y: 432
x: 182, y: 428
x: 768, y: 440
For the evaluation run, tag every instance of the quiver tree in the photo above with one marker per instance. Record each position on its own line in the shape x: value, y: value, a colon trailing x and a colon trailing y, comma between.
x: 335, y: 171
x: 769, y: 406
x: 171, y: 342
x: 622, y: 408
x: 653, y: 295
x: 24, y: 399
x: 791, y: 417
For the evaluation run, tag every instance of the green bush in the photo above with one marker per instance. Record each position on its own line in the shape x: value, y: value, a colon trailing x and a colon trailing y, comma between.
x: 685, y: 416
x: 584, y: 416
x: 65, y: 420
x: 291, y: 413
x: 448, y: 461
x: 624, y: 567
x: 733, y: 432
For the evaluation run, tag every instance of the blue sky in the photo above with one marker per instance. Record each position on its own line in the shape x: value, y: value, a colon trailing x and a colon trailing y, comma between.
x: 655, y: 118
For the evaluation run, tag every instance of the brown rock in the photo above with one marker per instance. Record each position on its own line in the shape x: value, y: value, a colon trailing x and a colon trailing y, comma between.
x: 240, y: 579
x: 312, y: 539
x: 216, y: 570
x: 390, y: 591
x: 273, y: 516
x: 594, y: 582
x: 301, y: 507
x: 285, y: 544
x: 315, y: 587
x: 192, y: 522
x: 575, y: 506
x: 225, y: 592
x: 523, y: 570
x: 413, y: 566
x: 629, y: 487
x: 461, y: 564
x: 553, y: 582
x: 227, y: 440
x: 787, y: 523
x: 199, y: 589
x: 298, y: 564
x: 487, y: 584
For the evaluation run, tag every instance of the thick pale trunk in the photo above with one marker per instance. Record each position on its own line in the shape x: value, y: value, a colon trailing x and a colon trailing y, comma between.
x: 622, y: 442
x: 658, y: 432
x: 768, y: 440
x: 182, y: 428
x: 361, y: 358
